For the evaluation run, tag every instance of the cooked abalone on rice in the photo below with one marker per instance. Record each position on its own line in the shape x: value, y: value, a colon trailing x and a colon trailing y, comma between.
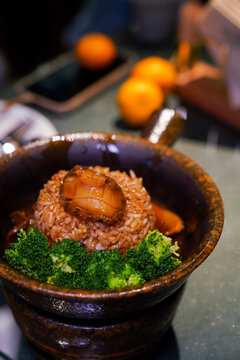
x: 101, y: 208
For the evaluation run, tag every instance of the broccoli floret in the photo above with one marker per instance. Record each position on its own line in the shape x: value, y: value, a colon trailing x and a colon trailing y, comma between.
x: 125, y: 276
x: 101, y: 264
x: 45, y: 270
x: 28, y: 252
x: 109, y: 270
x: 69, y: 261
x: 62, y: 278
x: 69, y: 255
x: 70, y: 264
x: 154, y: 255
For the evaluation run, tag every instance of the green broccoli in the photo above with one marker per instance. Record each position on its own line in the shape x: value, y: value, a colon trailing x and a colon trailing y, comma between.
x: 28, y: 252
x: 101, y: 264
x: 46, y: 269
x: 69, y: 255
x: 154, y: 255
x: 125, y: 276
x: 109, y: 270
x: 68, y: 263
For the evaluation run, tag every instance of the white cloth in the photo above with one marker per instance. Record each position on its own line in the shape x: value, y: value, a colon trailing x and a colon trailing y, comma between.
x: 35, y: 125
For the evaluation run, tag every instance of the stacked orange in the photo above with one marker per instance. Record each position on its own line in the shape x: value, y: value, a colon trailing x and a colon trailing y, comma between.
x: 151, y: 79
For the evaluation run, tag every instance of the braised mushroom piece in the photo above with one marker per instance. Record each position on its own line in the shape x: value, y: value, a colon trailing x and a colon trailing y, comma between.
x: 91, y: 195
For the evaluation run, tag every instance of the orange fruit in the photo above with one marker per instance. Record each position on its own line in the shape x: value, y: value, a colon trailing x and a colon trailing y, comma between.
x: 95, y: 51
x: 137, y: 99
x: 156, y: 69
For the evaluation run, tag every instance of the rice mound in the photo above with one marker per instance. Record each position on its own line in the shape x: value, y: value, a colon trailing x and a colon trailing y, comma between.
x: 51, y: 218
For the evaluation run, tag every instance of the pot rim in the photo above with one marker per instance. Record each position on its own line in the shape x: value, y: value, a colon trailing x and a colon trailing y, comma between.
x: 210, y: 239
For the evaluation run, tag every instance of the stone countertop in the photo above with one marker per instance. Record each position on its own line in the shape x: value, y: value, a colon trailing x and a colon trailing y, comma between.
x: 207, y: 324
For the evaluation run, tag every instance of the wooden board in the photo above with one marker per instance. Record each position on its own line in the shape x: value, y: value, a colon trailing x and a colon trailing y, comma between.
x: 202, y: 87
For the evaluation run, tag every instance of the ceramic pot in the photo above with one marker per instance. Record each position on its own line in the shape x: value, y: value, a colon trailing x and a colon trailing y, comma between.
x: 75, y: 324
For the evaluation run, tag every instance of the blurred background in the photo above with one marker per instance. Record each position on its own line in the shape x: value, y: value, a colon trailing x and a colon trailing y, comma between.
x: 201, y: 38
x: 34, y: 33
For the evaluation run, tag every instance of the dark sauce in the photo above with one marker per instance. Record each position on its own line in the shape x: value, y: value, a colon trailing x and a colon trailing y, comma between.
x: 20, y: 219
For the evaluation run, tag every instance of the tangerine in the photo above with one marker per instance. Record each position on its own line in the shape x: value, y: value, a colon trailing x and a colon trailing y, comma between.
x: 95, y: 51
x: 137, y: 99
x: 156, y: 69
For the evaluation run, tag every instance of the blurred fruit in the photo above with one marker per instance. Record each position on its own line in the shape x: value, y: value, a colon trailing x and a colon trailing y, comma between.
x: 95, y: 51
x: 137, y: 99
x: 156, y: 69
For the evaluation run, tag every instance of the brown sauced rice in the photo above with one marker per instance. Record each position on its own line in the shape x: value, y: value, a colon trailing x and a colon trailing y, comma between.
x: 51, y: 218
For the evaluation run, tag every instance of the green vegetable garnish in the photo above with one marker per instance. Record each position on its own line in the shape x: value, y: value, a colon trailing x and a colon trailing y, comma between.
x: 154, y: 255
x: 68, y: 263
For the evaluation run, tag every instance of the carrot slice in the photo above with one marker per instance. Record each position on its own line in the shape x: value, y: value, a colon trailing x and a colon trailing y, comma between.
x: 167, y: 221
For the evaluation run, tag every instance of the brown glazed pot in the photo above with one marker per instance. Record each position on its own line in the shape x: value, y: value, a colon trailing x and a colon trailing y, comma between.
x: 73, y: 324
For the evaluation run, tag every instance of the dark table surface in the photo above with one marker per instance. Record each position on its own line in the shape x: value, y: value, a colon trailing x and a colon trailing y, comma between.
x: 207, y: 324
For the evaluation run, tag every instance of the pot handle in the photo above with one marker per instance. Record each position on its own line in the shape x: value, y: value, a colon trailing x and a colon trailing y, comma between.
x: 165, y: 125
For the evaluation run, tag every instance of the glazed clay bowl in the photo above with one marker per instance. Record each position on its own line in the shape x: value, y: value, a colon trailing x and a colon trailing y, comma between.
x: 75, y: 324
